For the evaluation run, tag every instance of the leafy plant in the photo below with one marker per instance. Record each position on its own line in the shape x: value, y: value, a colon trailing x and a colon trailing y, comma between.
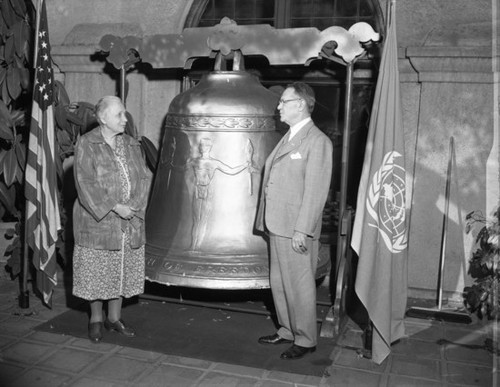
x: 16, y: 31
x: 482, y: 297
x: 16, y: 83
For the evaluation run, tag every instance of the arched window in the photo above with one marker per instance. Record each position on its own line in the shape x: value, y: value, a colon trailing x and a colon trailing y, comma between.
x: 326, y: 78
x: 287, y: 13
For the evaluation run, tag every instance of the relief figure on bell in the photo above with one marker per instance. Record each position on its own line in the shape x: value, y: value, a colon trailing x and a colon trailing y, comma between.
x: 204, y: 167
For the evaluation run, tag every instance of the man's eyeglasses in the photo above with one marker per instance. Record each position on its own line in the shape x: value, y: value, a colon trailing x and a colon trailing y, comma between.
x: 283, y: 101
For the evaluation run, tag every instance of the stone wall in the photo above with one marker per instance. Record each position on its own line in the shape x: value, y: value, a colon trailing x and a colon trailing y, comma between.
x: 76, y: 28
x: 447, y: 87
x: 153, y: 16
x: 448, y: 93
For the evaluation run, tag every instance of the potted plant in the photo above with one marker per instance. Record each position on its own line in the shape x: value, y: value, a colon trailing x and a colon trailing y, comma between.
x: 482, y: 297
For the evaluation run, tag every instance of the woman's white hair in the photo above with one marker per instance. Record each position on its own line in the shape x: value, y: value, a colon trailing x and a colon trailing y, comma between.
x: 103, y: 104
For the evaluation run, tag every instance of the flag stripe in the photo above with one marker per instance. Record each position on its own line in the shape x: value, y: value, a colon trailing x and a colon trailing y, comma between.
x: 42, y: 211
x: 44, y: 196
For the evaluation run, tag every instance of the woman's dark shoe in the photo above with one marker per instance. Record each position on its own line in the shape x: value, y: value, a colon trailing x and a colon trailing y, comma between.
x: 95, y: 331
x: 119, y: 326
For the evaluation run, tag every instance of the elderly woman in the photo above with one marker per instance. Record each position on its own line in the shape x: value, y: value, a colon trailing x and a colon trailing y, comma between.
x: 112, y: 182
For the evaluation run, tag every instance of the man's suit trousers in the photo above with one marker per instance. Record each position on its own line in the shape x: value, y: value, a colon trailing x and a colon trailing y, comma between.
x: 293, y: 286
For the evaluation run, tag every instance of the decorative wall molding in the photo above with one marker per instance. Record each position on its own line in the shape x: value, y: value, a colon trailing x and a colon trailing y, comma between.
x: 449, y: 64
x: 77, y: 59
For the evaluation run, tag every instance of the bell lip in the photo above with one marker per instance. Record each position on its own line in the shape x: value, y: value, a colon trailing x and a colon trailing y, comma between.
x: 210, y: 283
x: 225, y: 280
x: 222, y: 271
x: 221, y: 283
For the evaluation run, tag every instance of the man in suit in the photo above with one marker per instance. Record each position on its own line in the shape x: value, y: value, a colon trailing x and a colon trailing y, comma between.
x: 295, y: 186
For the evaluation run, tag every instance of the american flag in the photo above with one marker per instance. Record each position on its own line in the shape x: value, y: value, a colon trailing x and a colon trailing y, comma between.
x: 42, y: 213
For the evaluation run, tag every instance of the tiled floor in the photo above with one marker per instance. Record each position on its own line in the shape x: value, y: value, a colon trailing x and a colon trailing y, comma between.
x: 432, y: 354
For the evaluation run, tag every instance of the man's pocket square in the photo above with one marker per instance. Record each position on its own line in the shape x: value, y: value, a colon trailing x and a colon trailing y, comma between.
x: 295, y: 156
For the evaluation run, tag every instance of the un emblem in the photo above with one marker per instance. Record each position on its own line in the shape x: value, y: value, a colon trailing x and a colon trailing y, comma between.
x: 385, y: 202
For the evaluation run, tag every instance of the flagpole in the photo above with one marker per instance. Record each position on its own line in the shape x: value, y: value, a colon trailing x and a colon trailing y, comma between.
x: 37, y: 4
x: 341, y: 233
x: 24, y: 297
x: 391, y: 7
x: 122, y: 84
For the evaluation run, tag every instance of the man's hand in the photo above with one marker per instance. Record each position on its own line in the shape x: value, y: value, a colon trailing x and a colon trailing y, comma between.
x: 299, y: 242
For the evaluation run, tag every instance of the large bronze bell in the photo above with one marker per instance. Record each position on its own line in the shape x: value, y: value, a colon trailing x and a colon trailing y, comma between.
x: 200, y: 219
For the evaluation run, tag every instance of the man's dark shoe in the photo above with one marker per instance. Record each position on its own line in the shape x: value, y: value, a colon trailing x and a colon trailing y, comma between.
x: 95, y: 331
x: 273, y: 339
x: 296, y: 352
x: 119, y: 326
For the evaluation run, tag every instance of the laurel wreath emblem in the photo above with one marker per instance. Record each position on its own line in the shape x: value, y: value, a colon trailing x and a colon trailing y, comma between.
x: 398, y: 242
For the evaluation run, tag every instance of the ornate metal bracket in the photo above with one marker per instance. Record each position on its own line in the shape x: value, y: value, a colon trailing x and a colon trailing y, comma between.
x: 279, y: 46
